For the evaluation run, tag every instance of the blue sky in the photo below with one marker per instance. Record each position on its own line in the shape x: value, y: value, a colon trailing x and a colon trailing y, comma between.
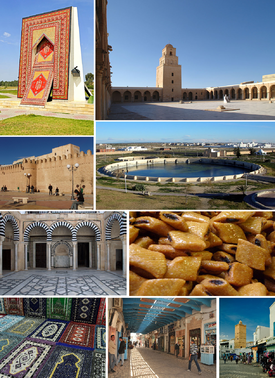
x: 14, y: 148
x: 217, y: 42
x: 12, y: 13
x: 137, y: 132
x: 252, y: 312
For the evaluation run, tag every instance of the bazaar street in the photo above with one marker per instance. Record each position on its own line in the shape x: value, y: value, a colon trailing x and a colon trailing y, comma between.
x: 149, y: 363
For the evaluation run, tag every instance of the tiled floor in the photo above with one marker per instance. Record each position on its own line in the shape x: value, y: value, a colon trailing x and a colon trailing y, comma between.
x: 63, y: 282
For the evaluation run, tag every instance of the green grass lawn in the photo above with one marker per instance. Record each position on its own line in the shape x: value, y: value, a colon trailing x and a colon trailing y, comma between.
x: 39, y: 125
x: 3, y: 96
x: 10, y: 91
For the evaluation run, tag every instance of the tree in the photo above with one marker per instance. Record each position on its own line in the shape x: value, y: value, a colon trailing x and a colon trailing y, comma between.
x: 252, y: 151
x: 89, y: 80
x: 237, y: 151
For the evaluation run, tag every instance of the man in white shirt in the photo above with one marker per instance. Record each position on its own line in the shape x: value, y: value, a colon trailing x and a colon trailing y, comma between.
x: 112, y: 348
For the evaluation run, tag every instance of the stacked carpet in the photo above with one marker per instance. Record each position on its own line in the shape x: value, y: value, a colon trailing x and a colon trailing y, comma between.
x: 34, y: 345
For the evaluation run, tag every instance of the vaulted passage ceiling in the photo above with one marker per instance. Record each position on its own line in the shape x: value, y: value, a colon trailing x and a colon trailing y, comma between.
x: 144, y: 315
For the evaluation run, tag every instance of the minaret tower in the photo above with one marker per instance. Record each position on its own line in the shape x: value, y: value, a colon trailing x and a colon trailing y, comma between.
x: 169, y: 74
x: 240, y: 335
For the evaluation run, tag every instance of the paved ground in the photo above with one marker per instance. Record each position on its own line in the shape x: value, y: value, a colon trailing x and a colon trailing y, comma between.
x: 40, y: 201
x: 197, y: 110
x: 148, y: 363
x: 233, y: 370
x: 7, y: 113
x: 82, y: 281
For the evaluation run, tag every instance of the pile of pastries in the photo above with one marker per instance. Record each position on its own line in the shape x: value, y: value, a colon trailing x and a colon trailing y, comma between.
x: 227, y: 253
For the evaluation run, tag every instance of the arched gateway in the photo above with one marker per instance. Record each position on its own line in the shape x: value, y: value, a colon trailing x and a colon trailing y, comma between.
x: 54, y: 240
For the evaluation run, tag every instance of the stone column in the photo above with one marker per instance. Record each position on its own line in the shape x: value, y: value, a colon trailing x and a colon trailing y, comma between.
x: 74, y: 256
x: 123, y: 238
x: 34, y: 255
x: 90, y: 255
x: 101, y: 256
x: 98, y: 256
x: 16, y: 256
x: 26, y: 256
x: 108, y: 256
x: 49, y: 256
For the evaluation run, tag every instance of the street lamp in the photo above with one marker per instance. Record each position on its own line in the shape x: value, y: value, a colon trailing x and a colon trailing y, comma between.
x: 72, y: 169
x: 28, y: 176
x: 125, y: 184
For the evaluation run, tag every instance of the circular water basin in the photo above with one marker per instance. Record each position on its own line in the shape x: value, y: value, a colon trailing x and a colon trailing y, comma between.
x: 185, y: 170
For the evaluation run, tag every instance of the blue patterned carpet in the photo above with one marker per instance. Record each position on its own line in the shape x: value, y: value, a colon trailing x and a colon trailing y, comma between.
x: 68, y: 362
x: 9, y: 321
x: 7, y: 343
x: 50, y: 330
x: 30, y: 345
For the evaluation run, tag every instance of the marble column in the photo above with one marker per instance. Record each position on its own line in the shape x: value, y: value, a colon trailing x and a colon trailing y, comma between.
x: 90, y: 255
x: 26, y: 256
x: 49, y: 256
x: 74, y: 255
x: 108, y: 256
x: 98, y: 256
x: 34, y: 254
x: 16, y: 256
x: 124, y: 254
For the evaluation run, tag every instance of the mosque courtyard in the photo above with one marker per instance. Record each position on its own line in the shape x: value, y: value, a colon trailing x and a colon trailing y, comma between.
x: 197, y: 110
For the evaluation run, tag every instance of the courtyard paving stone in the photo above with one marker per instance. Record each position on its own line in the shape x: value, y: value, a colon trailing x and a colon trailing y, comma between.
x: 197, y: 110
x: 81, y: 282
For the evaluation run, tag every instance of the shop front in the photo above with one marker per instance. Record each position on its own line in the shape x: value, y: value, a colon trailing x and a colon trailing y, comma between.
x: 161, y: 340
x: 180, y: 339
x: 195, y: 335
x: 172, y: 339
x: 210, y: 336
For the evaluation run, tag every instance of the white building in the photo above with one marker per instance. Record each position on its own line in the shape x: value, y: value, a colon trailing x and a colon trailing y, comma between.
x: 135, y: 148
x: 261, y: 333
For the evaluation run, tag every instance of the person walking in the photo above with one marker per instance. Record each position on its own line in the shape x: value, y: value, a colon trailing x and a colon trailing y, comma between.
x: 177, y: 349
x: 112, y: 353
x: 224, y: 358
x: 121, y: 351
x: 50, y: 187
x: 237, y: 359
x: 193, y: 356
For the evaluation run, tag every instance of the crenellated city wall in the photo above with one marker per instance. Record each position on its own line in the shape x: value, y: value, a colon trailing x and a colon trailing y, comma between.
x: 41, y: 172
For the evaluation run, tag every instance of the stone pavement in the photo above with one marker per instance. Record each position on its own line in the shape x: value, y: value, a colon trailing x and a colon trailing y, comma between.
x: 197, y: 110
x: 233, y: 370
x: 40, y: 201
x: 148, y: 363
x: 13, y: 112
x: 82, y: 281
